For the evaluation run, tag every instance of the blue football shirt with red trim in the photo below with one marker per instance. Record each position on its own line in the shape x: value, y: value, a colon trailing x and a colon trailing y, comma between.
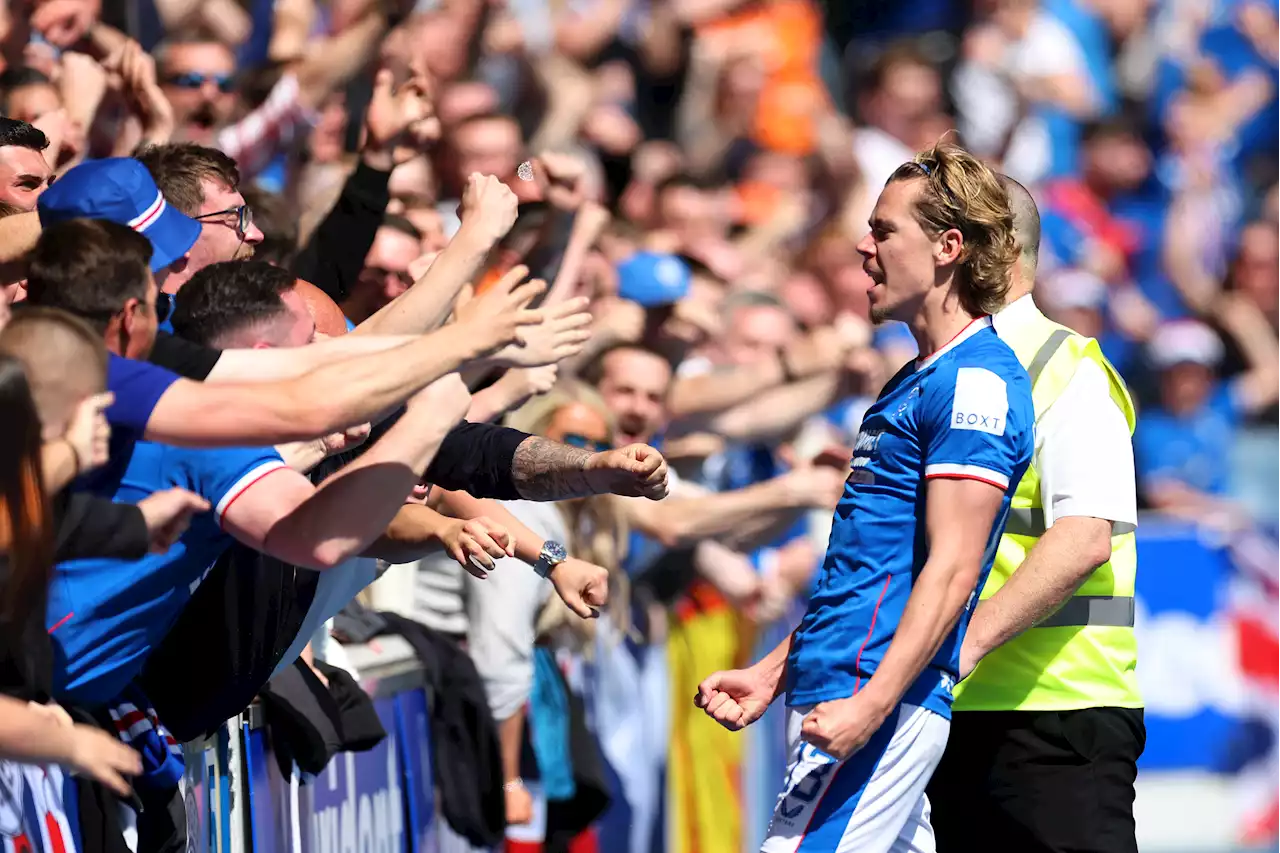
x: 964, y: 412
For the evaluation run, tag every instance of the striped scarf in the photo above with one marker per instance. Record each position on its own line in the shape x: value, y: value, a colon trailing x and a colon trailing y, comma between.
x: 136, y: 724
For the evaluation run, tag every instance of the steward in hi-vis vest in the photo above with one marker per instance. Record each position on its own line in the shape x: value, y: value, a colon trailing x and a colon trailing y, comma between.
x: 1047, y: 727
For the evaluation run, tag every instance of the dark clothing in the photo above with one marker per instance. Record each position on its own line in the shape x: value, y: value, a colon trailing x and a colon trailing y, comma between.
x: 90, y: 526
x: 185, y: 358
x: 334, y: 256
x: 468, y: 760
x: 1038, y: 781
x: 243, y: 618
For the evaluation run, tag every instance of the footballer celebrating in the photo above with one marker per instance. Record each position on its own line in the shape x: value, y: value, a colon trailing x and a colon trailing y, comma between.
x: 869, y: 671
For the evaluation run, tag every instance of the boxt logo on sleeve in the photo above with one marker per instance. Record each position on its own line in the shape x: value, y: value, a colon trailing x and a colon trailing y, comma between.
x: 981, y: 401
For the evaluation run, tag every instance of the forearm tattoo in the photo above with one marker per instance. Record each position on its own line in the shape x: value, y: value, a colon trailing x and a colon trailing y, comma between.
x: 545, y: 470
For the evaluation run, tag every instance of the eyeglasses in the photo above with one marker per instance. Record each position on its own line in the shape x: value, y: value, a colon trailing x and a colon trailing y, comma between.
x: 164, y: 306
x: 591, y: 444
x: 243, y: 214
x: 196, y: 80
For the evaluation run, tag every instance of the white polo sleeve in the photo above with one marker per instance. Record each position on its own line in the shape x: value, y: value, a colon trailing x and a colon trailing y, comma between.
x: 1084, y: 454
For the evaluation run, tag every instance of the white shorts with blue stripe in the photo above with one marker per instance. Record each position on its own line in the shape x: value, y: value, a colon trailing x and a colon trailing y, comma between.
x: 872, y: 802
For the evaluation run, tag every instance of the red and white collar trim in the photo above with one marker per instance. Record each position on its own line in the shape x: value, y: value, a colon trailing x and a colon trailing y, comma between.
x: 148, y: 217
x: 976, y: 325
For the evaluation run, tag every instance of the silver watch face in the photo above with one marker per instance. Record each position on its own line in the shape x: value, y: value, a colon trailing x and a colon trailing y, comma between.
x: 553, y: 553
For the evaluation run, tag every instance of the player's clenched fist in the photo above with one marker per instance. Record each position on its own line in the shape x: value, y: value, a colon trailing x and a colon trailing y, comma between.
x: 734, y: 698
x: 841, y: 727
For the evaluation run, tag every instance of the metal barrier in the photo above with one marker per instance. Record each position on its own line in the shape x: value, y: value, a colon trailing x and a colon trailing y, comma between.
x: 240, y: 800
x: 1193, y: 779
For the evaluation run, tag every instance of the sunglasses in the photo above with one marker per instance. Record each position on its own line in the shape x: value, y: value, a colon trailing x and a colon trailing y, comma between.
x: 196, y: 80
x: 584, y: 443
x: 243, y: 214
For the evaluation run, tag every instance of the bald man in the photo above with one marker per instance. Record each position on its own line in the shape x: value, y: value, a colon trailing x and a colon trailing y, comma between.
x: 1048, y: 728
x: 330, y: 321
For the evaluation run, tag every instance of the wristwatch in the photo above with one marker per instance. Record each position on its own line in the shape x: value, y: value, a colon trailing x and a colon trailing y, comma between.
x: 551, y: 555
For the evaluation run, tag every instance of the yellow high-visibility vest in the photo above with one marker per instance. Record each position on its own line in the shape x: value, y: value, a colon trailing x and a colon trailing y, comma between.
x: 1084, y: 655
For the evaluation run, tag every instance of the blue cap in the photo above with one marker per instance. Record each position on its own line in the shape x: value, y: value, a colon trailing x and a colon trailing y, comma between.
x: 653, y: 279
x: 121, y: 190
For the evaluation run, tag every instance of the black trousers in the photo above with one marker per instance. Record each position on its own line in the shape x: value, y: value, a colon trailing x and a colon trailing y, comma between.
x: 1038, y: 782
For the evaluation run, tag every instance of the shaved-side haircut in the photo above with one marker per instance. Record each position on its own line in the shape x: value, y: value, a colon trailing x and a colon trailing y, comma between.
x: 64, y: 359
x: 1026, y: 224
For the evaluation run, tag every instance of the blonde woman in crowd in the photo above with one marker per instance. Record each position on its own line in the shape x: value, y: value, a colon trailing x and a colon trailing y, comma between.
x: 515, y: 609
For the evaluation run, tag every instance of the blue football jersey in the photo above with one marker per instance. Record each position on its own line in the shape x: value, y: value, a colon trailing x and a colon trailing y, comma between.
x: 105, y: 616
x: 965, y: 412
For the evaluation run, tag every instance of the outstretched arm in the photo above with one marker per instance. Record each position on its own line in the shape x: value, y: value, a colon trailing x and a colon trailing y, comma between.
x: 283, y: 515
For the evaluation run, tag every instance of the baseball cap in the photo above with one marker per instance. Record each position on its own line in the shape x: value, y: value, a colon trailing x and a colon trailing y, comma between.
x: 653, y: 279
x: 121, y: 190
x: 1182, y: 341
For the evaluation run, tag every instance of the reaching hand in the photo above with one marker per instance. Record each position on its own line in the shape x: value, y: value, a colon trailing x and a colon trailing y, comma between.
x: 137, y: 71
x: 634, y: 471
x: 401, y: 120
x: 168, y: 514
x: 89, y: 434
x: 477, y: 540
x: 499, y: 316
x: 734, y: 698
x: 348, y: 439
x: 563, y: 332
x: 562, y: 179
x: 489, y: 208
x: 102, y: 757
x: 814, y: 486
x: 582, y: 586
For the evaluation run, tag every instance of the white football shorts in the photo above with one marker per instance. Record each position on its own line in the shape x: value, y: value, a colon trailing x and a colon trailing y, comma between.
x: 872, y: 802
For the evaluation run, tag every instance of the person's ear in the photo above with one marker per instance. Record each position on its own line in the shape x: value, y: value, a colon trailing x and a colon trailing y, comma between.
x: 949, y: 247
x: 129, y: 315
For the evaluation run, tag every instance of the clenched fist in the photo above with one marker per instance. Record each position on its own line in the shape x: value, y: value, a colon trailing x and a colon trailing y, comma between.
x: 634, y: 471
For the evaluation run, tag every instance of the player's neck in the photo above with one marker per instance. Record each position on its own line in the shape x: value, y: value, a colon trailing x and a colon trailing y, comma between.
x: 938, y: 324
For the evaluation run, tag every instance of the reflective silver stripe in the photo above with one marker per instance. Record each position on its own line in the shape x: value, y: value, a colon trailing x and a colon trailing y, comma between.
x: 1025, y: 521
x: 1046, y: 351
x: 1113, y: 611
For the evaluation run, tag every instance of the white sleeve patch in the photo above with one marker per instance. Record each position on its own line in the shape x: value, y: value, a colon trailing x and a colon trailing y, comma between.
x: 981, y: 401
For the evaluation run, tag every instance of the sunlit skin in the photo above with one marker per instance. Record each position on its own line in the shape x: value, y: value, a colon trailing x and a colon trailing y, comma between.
x: 201, y: 110
x: 220, y: 236
x: 581, y: 421
x: 901, y: 259
x: 24, y: 175
x: 634, y: 385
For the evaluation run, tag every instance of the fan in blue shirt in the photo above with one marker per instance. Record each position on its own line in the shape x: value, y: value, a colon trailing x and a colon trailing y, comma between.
x: 106, y: 615
x: 868, y: 673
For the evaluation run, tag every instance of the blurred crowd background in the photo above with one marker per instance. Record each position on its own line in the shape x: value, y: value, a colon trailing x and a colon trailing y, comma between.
x: 722, y: 157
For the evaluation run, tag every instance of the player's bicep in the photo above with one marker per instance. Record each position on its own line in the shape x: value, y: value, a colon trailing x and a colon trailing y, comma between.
x: 262, y: 496
x: 967, y: 432
x: 959, y: 514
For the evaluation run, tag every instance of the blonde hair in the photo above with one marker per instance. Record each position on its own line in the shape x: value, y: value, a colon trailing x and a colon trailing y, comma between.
x: 598, y: 530
x: 961, y: 192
